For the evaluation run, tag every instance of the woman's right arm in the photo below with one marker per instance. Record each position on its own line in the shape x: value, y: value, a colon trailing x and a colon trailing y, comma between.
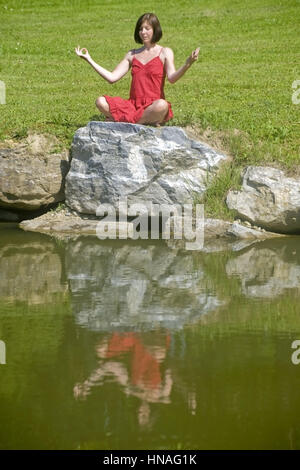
x: 111, y: 77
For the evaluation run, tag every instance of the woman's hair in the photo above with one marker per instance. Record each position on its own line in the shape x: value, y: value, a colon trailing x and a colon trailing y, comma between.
x: 154, y: 22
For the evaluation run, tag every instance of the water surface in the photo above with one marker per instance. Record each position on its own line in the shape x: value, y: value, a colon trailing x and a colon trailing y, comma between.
x: 138, y: 345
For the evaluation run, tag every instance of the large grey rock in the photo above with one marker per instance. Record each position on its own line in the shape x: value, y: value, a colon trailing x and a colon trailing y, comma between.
x: 269, y: 199
x: 32, y: 173
x: 113, y: 161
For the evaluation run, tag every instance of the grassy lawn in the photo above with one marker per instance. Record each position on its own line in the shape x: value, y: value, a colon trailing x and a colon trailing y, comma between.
x: 239, y: 92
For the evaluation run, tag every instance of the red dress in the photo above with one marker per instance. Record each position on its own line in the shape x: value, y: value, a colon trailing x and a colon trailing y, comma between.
x: 147, y: 86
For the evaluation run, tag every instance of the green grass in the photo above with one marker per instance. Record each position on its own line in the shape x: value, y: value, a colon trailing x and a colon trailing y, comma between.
x: 214, y: 197
x: 250, y: 56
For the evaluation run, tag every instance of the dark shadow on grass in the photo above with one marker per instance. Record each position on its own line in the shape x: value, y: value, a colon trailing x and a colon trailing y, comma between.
x: 97, y: 117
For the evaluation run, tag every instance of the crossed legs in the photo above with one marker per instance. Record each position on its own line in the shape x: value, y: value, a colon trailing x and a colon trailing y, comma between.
x: 153, y: 114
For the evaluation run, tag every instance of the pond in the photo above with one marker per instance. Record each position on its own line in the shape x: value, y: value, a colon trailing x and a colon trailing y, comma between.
x: 142, y: 345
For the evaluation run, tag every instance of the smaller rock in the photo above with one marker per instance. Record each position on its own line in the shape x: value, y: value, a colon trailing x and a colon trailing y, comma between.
x: 240, y: 231
x: 32, y: 173
x: 268, y: 199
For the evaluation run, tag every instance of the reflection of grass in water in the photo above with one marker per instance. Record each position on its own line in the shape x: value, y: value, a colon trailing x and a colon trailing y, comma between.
x: 244, y: 314
x: 56, y: 303
x: 32, y: 333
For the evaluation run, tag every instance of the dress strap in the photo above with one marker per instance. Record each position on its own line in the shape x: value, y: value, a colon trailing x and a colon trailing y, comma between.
x: 160, y: 51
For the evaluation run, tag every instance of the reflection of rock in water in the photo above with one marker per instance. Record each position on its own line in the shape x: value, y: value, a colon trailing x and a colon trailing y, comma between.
x: 135, y: 295
x: 30, y: 271
x: 135, y: 287
x: 266, y: 272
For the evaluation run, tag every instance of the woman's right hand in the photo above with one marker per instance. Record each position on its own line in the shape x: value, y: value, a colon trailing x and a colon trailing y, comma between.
x: 83, y: 53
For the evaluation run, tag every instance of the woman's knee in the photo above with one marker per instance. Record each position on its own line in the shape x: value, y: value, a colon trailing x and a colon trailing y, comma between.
x: 101, y: 103
x: 161, y: 106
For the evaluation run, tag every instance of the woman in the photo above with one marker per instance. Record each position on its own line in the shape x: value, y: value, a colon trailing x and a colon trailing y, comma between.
x: 149, y: 65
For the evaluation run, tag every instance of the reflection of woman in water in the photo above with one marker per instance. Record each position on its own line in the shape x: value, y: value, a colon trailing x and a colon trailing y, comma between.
x: 145, y: 369
x: 144, y: 380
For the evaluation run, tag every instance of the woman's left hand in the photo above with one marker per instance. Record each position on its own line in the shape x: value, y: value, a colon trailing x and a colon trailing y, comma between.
x: 193, y: 57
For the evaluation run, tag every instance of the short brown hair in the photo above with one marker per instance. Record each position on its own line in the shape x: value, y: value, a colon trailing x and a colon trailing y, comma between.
x: 154, y: 22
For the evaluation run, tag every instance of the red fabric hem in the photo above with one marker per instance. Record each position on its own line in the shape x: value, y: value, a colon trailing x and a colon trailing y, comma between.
x: 170, y: 113
x: 126, y: 111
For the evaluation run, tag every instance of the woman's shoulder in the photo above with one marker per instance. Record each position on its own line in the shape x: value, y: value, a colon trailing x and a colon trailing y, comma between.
x: 130, y: 54
x: 167, y: 52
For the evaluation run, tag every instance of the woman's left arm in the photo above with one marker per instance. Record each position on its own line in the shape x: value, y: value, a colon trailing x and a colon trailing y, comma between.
x: 172, y: 74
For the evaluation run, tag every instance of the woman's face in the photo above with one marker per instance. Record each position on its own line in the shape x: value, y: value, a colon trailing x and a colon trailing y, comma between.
x: 146, y: 32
